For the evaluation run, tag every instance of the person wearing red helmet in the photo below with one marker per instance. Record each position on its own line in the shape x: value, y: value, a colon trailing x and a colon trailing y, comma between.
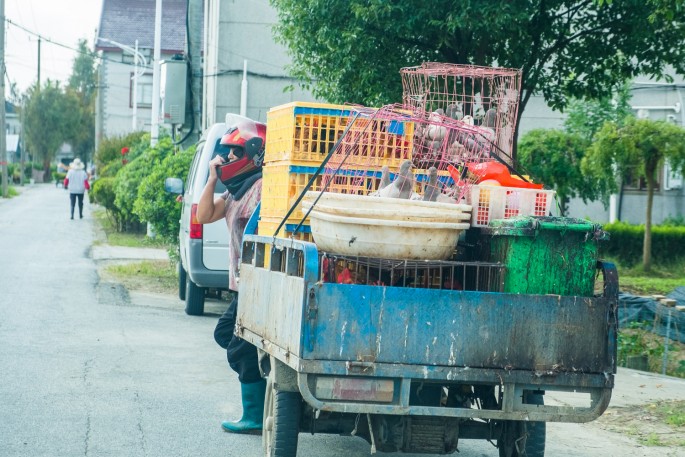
x: 238, y: 165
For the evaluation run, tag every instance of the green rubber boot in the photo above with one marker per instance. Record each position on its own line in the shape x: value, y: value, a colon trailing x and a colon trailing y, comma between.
x: 253, y: 410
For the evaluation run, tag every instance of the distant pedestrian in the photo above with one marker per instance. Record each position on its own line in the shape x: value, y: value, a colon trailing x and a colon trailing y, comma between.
x: 77, y: 184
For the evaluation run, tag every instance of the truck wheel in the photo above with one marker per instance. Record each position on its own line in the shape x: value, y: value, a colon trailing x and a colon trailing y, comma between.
x: 181, y: 282
x: 195, y: 298
x: 282, y: 412
x: 534, y: 432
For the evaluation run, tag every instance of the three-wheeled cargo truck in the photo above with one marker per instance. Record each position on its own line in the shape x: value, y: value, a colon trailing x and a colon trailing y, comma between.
x: 414, y: 356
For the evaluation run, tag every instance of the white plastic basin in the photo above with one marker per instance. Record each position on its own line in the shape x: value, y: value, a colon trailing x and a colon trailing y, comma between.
x: 395, y: 212
x: 351, y: 201
x: 385, y: 238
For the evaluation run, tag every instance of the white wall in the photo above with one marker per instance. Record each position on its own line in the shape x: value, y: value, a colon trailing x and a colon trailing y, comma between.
x: 115, y: 106
x: 238, y: 31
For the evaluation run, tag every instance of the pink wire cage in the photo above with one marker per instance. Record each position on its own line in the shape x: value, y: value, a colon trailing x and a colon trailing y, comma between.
x: 440, y: 149
x: 484, y: 96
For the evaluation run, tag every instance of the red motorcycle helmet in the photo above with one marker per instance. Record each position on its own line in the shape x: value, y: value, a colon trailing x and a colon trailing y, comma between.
x: 246, y: 140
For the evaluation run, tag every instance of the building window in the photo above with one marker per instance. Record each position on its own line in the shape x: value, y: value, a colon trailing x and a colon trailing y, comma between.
x: 634, y: 180
x: 144, y: 91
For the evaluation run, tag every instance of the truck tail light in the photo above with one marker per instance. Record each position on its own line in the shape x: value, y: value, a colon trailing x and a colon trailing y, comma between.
x: 355, y: 389
x: 195, y: 226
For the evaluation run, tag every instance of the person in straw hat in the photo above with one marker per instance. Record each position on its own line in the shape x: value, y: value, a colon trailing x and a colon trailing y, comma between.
x: 77, y: 184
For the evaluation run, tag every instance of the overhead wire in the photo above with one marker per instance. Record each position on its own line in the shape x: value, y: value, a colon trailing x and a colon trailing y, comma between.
x: 71, y: 48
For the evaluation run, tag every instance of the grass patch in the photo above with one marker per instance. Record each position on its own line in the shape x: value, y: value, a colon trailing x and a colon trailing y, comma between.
x: 673, y: 413
x: 649, y: 286
x: 651, y: 440
x: 11, y: 192
x: 157, y: 276
x: 661, y: 279
x: 115, y: 238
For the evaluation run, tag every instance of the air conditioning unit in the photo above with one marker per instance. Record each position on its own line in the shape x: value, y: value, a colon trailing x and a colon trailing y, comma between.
x: 172, y: 91
x: 673, y: 179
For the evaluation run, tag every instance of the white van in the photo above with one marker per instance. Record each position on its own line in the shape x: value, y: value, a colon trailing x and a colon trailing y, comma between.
x: 203, y: 248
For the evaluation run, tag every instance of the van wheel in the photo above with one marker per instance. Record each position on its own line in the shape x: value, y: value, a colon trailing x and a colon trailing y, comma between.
x: 181, y: 282
x: 282, y: 413
x: 195, y: 298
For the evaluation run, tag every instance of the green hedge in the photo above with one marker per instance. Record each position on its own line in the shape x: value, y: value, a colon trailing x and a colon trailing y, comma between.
x: 158, y: 207
x: 129, y: 178
x: 102, y: 193
x: 626, y: 241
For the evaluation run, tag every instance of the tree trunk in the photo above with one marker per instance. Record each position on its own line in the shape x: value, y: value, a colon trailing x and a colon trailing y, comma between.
x: 46, y: 170
x: 647, y: 243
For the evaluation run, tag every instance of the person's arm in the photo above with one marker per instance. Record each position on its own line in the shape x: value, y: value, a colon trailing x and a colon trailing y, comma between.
x: 210, y: 209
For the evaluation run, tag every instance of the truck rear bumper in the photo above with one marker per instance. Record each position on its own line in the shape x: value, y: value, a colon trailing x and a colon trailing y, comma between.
x: 588, y: 402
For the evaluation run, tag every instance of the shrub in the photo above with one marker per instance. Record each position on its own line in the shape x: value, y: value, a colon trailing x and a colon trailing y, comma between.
x: 102, y: 193
x: 128, y: 180
x: 58, y: 177
x: 626, y: 240
x: 109, y: 151
x: 156, y: 206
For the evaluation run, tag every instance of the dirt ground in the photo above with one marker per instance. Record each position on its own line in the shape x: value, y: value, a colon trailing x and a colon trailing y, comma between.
x: 661, y: 423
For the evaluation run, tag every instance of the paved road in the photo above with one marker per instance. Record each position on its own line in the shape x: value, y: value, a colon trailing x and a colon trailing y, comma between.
x: 89, y: 370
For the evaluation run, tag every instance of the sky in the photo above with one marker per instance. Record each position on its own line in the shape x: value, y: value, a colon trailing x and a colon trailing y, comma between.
x: 61, y: 21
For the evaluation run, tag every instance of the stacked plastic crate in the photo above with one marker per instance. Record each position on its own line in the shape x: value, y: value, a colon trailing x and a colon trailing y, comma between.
x: 298, y: 137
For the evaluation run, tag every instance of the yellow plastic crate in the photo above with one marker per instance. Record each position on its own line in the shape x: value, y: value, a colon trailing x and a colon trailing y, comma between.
x: 281, y: 185
x: 373, y: 143
x: 267, y: 226
x: 303, y: 131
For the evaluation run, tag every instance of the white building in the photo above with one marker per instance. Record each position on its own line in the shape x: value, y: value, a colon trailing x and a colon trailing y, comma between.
x: 122, y: 23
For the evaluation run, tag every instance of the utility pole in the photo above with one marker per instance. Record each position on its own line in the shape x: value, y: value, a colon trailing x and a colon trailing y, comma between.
x: 195, y: 55
x: 22, y: 175
x: 3, y: 133
x: 38, y: 63
x: 154, y: 131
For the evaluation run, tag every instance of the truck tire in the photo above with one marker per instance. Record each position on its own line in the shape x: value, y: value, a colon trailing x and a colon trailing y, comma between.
x: 282, y: 413
x: 181, y: 282
x: 195, y: 298
x: 536, y: 434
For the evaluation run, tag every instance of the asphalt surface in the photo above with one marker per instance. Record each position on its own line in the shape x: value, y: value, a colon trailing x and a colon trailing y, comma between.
x: 88, y: 368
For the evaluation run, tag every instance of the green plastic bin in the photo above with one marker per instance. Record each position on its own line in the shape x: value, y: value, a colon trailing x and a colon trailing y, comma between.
x: 546, y: 255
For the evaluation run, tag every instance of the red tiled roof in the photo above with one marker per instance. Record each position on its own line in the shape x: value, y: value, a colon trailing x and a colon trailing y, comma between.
x: 124, y: 21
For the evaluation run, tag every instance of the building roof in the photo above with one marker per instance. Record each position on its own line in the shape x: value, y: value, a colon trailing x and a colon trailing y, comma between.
x: 124, y: 21
x: 10, y: 108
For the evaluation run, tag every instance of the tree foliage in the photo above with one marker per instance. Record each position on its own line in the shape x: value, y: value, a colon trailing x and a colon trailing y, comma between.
x: 553, y: 157
x: 352, y: 50
x: 82, y: 85
x: 585, y: 117
x: 50, y: 115
x: 638, y: 149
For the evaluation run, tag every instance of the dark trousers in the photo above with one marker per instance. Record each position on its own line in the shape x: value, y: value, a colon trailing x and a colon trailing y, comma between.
x: 242, y: 356
x: 72, y: 199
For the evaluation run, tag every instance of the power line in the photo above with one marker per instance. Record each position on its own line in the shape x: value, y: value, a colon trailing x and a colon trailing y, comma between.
x: 57, y: 43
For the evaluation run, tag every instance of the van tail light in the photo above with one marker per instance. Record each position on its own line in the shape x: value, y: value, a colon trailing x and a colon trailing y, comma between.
x: 195, y: 226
